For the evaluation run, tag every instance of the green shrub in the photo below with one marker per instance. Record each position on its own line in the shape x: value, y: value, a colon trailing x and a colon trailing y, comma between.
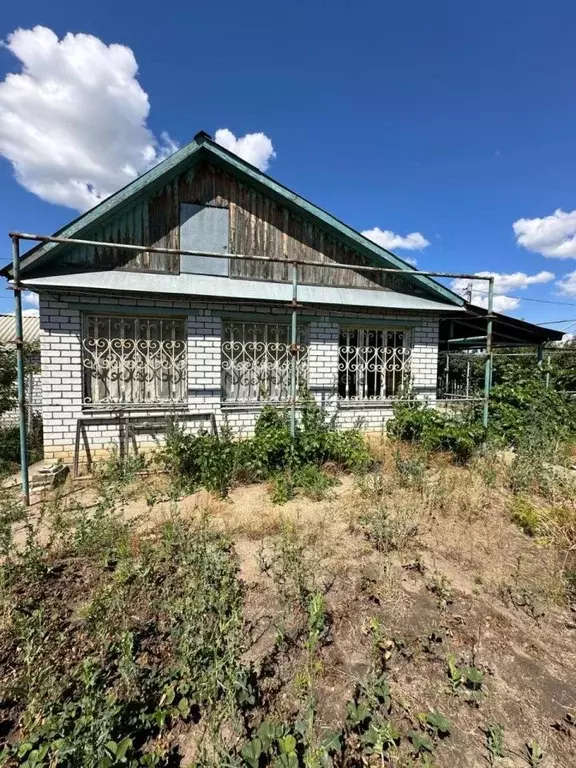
x: 309, y: 479
x: 217, y: 461
x: 436, y: 431
x: 202, y: 459
x: 521, y: 406
x: 10, y: 445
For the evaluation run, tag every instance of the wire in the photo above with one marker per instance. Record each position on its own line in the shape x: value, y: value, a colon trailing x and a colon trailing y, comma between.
x: 525, y: 298
x: 554, y: 322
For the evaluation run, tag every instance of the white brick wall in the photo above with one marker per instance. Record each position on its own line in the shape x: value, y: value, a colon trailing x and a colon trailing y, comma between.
x: 60, y: 335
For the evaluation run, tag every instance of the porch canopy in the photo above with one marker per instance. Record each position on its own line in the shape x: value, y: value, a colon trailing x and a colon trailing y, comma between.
x: 467, y: 330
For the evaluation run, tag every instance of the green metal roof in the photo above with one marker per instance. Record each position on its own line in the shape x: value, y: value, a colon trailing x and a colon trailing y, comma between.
x: 203, y: 147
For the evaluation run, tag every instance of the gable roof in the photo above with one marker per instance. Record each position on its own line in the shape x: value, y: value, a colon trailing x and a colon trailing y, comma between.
x: 203, y: 147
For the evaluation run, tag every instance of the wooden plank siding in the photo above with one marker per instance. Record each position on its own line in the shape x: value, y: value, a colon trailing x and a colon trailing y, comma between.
x: 261, y: 226
x: 258, y: 225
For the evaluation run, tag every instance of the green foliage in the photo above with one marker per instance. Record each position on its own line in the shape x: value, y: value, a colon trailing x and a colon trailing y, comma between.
x: 309, y: 479
x: 200, y: 459
x: 534, y: 753
x: 465, y: 681
x: 217, y: 461
x: 436, y: 431
x: 494, y: 742
x: 523, y: 406
x: 8, y: 391
x: 10, y: 445
x: 526, y: 516
x: 10, y: 435
x: 158, y: 641
x: 437, y: 723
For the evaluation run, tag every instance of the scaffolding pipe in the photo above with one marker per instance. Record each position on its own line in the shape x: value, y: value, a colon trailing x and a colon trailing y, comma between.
x: 488, y: 363
x: 294, y: 349
x: 243, y: 257
x: 17, y: 288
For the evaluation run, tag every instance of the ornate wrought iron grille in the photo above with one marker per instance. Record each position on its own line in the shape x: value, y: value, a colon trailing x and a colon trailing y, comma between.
x: 135, y: 360
x: 256, y: 361
x: 373, y: 364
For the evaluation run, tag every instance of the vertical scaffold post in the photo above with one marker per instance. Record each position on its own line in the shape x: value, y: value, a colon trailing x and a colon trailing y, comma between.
x: 294, y: 349
x: 20, y: 369
x: 489, y: 353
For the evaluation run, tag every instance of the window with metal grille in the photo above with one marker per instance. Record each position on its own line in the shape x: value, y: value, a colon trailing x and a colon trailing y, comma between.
x: 138, y: 360
x: 373, y: 364
x: 256, y: 361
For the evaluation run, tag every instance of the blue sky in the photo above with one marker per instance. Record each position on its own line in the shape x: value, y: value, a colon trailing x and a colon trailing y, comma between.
x: 446, y: 119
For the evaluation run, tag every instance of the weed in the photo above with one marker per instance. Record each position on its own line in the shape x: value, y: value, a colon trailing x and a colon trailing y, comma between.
x: 534, y: 753
x: 460, y: 434
x: 465, y: 681
x: 87, y: 687
x: 440, y: 586
x: 382, y: 645
x: 494, y: 733
x: 410, y: 470
x: 387, y: 528
x: 216, y: 462
x: 525, y: 514
x: 309, y: 479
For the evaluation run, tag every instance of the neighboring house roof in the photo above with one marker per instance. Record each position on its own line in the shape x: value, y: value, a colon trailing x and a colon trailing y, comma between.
x: 507, y: 331
x: 31, y: 329
x: 204, y: 147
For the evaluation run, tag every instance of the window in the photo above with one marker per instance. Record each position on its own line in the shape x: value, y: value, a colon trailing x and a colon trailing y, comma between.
x: 373, y: 363
x: 203, y: 228
x: 134, y: 360
x: 256, y: 361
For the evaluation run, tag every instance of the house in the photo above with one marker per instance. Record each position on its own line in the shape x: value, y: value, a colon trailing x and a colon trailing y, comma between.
x: 129, y: 338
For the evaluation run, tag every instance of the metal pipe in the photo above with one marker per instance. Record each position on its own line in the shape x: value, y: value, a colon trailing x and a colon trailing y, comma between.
x: 214, y: 255
x: 17, y: 288
x: 489, y: 353
x: 293, y: 349
x: 466, y: 339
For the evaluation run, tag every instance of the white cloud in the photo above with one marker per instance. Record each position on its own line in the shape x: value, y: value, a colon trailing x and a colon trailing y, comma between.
x: 567, y: 285
x: 28, y: 297
x: 391, y: 241
x: 553, y: 236
x: 503, y: 283
x: 73, y: 120
x: 31, y: 298
x: 255, y: 148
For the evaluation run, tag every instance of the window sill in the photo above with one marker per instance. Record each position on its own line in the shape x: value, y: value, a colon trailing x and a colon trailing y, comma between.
x: 366, y: 403
x: 127, y: 408
x: 229, y: 406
